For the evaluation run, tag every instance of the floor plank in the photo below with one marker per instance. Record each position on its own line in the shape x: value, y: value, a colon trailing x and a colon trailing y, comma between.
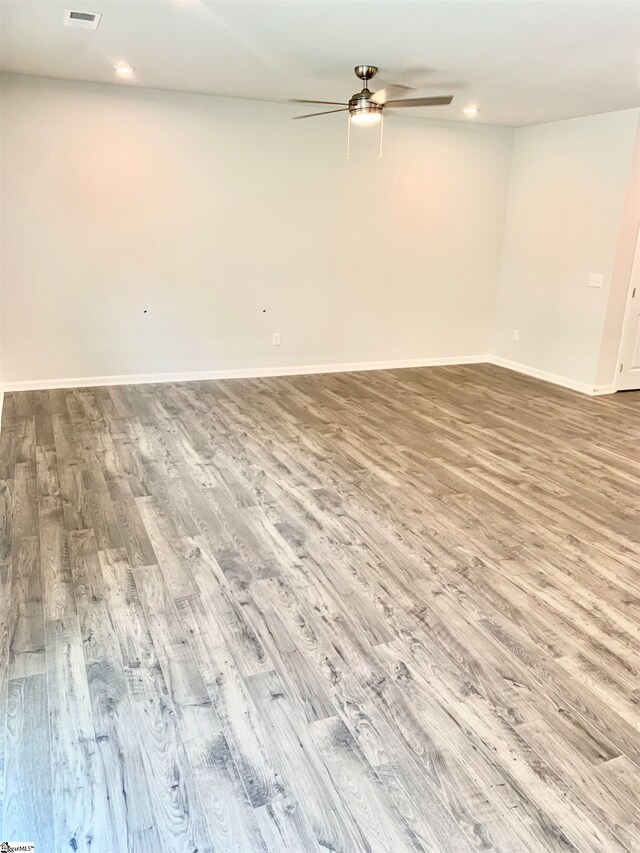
x: 386, y: 611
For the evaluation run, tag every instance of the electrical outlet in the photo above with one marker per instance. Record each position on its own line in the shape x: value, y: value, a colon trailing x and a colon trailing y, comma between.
x: 516, y: 335
x: 596, y: 279
x: 275, y: 339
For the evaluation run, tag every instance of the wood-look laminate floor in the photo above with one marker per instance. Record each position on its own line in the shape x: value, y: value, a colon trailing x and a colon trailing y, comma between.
x: 383, y: 611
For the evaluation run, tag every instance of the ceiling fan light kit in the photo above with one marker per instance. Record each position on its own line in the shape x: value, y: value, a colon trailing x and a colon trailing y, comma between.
x: 367, y: 107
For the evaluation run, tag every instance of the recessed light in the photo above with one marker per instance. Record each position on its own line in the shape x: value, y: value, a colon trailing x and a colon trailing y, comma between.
x: 470, y: 111
x: 124, y: 70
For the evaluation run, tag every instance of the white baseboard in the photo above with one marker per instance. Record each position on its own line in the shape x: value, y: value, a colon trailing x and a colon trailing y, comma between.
x: 255, y: 372
x: 554, y: 378
x: 239, y: 373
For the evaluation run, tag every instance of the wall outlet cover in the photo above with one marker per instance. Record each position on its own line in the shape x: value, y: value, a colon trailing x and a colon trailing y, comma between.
x: 596, y: 279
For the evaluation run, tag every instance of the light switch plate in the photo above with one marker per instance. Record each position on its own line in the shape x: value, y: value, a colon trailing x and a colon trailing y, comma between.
x: 596, y: 279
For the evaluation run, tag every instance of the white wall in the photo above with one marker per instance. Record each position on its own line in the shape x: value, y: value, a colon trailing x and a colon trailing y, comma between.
x: 205, y: 211
x: 569, y: 188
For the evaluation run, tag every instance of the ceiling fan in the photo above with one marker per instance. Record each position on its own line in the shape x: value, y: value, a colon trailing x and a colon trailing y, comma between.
x: 365, y: 107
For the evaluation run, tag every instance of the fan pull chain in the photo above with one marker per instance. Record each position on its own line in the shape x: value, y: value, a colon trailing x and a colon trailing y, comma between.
x: 348, y: 136
x: 381, y: 133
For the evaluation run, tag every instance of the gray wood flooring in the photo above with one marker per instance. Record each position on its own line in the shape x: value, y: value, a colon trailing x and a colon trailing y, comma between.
x: 388, y: 611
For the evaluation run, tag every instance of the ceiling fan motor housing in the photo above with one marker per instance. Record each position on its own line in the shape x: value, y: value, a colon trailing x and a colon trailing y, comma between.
x: 359, y: 103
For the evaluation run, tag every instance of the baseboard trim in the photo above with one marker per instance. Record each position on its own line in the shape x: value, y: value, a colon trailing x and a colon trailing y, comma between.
x: 554, y: 378
x: 298, y: 370
x: 240, y: 373
x: 601, y: 390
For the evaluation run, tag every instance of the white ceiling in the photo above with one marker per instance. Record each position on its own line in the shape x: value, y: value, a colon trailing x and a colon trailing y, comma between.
x: 522, y: 61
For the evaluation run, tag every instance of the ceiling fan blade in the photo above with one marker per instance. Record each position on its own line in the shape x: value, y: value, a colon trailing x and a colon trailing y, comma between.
x: 421, y: 102
x: 301, y: 101
x: 326, y: 113
x: 391, y: 91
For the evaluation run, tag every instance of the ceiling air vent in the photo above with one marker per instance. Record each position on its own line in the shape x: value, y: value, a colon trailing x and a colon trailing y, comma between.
x: 86, y: 20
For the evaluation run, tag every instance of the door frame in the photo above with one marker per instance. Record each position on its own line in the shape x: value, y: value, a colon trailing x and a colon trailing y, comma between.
x: 635, y: 269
